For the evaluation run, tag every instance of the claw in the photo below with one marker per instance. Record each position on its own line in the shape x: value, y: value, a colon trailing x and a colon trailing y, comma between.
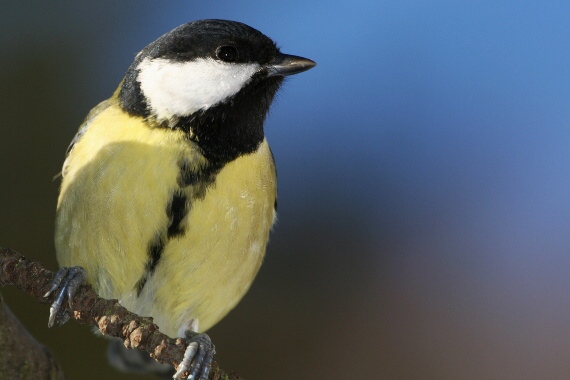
x: 59, y: 276
x: 67, y: 280
x: 197, y: 358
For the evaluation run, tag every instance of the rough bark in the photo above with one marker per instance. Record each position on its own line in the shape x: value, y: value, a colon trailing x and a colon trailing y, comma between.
x: 88, y: 308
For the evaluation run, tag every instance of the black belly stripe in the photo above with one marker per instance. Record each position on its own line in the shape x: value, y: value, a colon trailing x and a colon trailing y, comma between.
x: 155, y: 249
x: 187, y: 176
x: 176, y: 211
x: 199, y: 179
x: 190, y: 182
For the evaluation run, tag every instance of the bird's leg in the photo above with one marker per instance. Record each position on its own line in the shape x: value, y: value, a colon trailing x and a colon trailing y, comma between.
x: 66, y: 281
x: 197, y: 358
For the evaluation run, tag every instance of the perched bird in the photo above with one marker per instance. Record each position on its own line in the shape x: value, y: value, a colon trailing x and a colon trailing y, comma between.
x: 169, y: 190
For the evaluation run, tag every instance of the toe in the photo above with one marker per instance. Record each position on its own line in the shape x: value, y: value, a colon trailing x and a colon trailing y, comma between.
x: 66, y: 282
x: 197, y: 358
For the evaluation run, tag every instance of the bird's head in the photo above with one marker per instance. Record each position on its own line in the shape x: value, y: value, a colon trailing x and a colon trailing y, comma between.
x: 203, y: 65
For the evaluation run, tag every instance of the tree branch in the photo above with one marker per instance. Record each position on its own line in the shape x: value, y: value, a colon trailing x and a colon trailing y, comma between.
x: 23, y: 357
x: 108, y: 315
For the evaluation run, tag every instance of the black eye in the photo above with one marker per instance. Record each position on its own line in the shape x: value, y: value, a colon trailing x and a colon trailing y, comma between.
x: 227, y: 53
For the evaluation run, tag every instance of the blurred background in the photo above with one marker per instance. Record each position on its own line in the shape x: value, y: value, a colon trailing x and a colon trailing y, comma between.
x: 424, y: 170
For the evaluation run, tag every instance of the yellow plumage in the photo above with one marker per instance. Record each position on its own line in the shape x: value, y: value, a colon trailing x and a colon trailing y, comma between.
x: 117, y: 183
x: 169, y: 188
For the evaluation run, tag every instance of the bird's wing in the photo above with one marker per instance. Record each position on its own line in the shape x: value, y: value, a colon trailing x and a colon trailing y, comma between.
x: 83, y: 128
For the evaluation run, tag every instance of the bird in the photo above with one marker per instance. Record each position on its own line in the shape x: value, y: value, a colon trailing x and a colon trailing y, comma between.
x: 169, y: 189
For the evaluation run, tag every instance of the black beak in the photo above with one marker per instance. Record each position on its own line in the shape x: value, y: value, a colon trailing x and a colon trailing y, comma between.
x: 288, y: 65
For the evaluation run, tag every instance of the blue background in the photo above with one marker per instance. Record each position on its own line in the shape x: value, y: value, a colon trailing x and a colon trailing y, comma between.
x: 423, y: 174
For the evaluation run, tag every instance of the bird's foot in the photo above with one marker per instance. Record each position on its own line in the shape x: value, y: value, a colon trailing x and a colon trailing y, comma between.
x: 197, y: 358
x: 66, y: 281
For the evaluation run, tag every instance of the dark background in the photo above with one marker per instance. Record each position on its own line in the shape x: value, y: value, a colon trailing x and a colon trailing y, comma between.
x: 424, y: 181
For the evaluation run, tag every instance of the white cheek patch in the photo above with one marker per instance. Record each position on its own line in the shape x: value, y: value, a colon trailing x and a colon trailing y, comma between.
x: 182, y: 88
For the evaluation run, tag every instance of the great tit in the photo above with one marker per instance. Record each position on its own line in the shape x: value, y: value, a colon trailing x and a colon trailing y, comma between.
x: 169, y: 189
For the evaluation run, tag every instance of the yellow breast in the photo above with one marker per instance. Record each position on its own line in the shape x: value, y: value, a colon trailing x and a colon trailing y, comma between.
x: 116, y: 191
